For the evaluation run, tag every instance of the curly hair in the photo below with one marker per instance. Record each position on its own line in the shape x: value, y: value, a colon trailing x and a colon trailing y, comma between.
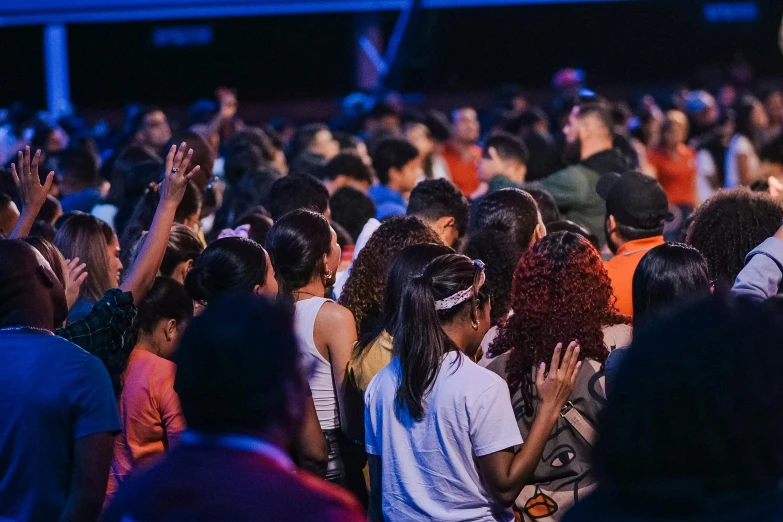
x: 561, y: 293
x: 729, y: 225
x: 363, y: 292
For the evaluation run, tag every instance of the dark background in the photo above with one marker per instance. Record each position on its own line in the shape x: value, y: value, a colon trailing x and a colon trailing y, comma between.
x: 451, y: 50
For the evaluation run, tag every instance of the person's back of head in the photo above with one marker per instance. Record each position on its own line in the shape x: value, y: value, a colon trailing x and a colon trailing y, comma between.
x: 546, y: 205
x: 501, y: 254
x: 669, y: 275
x: 450, y: 289
x: 304, y: 139
x: 237, y: 369
x: 363, y: 291
x: 183, y: 248
x: 9, y: 214
x: 569, y: 226
x: 298, y: 244
x: 728, y: 226
x: 352, y: 209
x: 50, y: 211
x: 295, y: 193
x: 511, y: 211
x: 350, y: 166
x: 258, y: 225
x: 227, y: 265
x: 167, y: 301
x: 392, y: 153
x: 88, y: 238
x: 440, y: 204
x: 508, y: 148
x: 78, y: 168
x: 30, y: 292
x: 247, y: 151
x: 695, y: 386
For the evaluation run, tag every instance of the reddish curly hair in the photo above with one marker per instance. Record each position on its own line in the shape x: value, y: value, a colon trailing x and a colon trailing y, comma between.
x: 561, y: 293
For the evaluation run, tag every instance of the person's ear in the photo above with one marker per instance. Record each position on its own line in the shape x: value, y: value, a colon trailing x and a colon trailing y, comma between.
x: 258, y: 290
x: 538, y: 234
x: 445, y: 222
x: 493, y: 154
x: 611, y: 225
x: 170, y: 330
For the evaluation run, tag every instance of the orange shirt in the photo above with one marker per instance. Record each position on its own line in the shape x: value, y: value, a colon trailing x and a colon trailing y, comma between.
x: 150, y: 415
x: 622, y: 267
x: 677, y: 175
x: 464, y: 173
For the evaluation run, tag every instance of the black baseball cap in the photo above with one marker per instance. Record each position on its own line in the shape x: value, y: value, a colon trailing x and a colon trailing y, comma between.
x: 634, y: 199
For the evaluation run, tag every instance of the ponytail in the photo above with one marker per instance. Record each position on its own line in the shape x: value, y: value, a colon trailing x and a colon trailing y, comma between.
x: 450, y: 284
x: 420, y: 343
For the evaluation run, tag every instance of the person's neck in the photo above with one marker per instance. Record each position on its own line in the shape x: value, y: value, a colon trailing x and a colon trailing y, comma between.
x: 68, y: 187
x: 146, y: 344
x: 314, y: 288
x: 393, y: 185
x: 593, y: 148
x: 459, y: 337
x: 32, y: 321
x: 516, y: 174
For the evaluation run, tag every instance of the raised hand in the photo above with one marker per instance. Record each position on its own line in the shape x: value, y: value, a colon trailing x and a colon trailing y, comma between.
x: 74, y: 277
x: 556, y: 387
x: 228, y: 103
x: 25, y: 173
x: 177, y: 176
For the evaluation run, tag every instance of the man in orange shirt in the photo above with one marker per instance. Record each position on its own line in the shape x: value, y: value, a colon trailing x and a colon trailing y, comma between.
x: 636, y: 208
x: 461, y: 152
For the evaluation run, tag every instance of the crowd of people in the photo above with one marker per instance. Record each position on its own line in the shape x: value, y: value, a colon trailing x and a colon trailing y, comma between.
x: 564, y: 312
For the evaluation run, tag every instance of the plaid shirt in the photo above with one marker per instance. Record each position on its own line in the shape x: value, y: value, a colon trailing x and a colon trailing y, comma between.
x: 106, y: 332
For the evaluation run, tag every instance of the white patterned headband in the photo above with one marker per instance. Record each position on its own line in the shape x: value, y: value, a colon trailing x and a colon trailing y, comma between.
x: 463, y: 295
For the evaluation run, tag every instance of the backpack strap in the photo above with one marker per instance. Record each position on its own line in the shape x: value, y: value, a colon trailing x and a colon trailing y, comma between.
x: 579, y: 424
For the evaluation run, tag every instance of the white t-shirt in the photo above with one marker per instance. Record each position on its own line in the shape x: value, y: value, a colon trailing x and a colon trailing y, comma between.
x: 429, y: 468
x: 739, y: 145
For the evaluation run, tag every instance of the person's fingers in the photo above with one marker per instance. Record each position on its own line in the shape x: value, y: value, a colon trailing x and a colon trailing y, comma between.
x: 574, y: 357
x: 555, y: 360
x: 14, y: 174
x: 562, y: 370
x: 180, y: 154
x: 78, y: 270
x: 49, y: 181
x: 190, y: 174
x: 170, y: 158
x: 20, y: 162
x: 79, y: 280
x: 27, y: 162
x: 183, y: 166
x: 34, y: 164
x: 71, y: 263
x: 540, y: 374
x: 576, y: 373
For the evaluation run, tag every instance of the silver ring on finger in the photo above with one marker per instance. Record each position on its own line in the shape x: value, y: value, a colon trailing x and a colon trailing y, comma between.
x: 174, y: 170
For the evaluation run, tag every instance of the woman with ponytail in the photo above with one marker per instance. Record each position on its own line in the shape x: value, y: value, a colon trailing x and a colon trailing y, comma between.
x: 440, y: 430
x: 305, y: 255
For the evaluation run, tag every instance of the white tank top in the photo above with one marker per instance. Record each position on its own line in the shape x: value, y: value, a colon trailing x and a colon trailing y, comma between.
x: 317, y: 369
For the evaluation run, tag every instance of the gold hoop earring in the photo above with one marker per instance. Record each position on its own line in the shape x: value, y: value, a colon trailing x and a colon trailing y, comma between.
x: 327, y: 275
x: 475, y: 324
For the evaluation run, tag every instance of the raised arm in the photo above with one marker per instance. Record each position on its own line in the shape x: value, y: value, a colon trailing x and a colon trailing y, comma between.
x: 507, y: 473
x: 25, y: 173
x: 171, y: 190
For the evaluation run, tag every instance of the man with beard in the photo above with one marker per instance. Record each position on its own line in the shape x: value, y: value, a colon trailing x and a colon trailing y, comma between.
x: 589, y: 130
x: 636, y: 208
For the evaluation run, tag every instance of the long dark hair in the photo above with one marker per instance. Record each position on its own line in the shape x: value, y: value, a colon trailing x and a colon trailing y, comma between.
x: 743, y: 119
x: 668, y: 275
x: 419, y: 339
x: 297, y: 244
x: 408, y: 263
x: 183, y: 245
x: 231, y: 264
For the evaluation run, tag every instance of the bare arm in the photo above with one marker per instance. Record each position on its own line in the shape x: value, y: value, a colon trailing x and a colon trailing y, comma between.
x: 145, y: 268
x: 506, y: 473
x: 25, y: 173
x: 310, y: 441
x: 339, y: 327
x: 91, y: 459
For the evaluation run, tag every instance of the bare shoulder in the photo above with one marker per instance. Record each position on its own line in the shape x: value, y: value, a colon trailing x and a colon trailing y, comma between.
x: 333, y: 312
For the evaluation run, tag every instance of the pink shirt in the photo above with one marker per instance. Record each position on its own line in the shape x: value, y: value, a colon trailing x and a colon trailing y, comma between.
x: 150, y: 414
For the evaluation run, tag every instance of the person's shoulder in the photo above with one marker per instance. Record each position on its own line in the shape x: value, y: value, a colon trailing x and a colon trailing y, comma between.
x: 498, y: 365
x: 335, y: 312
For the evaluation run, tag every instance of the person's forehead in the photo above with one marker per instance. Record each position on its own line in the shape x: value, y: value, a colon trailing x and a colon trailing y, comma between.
x: 155, y: 116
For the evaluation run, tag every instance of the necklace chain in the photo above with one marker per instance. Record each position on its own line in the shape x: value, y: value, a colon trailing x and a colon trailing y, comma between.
x: 21, y: 328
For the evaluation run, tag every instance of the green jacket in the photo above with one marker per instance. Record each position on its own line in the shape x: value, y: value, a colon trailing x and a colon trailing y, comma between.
x: 573, y: 189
